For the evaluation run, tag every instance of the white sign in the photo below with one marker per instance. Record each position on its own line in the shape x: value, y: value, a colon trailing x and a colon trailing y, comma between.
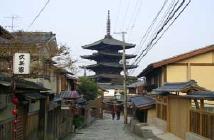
x: 21, y: 63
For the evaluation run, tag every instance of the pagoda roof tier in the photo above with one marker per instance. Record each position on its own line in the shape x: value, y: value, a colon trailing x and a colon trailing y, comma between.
x: 113, y: 65
x: 106, y: 54
x: 110, y: 76
x: 108, y: 43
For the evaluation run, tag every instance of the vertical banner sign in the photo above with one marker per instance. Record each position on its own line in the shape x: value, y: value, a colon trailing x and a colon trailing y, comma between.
x: 21, y: 63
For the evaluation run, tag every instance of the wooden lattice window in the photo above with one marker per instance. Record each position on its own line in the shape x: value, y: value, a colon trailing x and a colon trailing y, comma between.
x: 161, y: 107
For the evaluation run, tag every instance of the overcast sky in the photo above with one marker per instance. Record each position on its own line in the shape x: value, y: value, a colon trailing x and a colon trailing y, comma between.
x: 81, y: 22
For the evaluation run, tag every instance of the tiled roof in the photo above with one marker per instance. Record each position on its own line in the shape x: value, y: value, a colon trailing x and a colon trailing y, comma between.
x: 95, y: 56
x: 69, y: 94
x: 201, y: 95
x: 33, y: 96
x: 115, y: 65
x: 20, y: 83
x: 179, y: 87
x: 110, y: 86
x: 142, y: 101
x: 31, y: 37
x: 108, y: 42
x: 136, y: 84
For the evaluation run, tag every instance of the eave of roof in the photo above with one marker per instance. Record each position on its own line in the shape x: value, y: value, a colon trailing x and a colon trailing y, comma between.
x: 209, y: 95
x: 108, y: 41
x: 109, y: 65
x: 142, y: 101
x: 175, y: 59
x: 179, y: 87
x: 101, y: 54
x: 31, y: 38
x: 136, y: 84
x: 21, y: 84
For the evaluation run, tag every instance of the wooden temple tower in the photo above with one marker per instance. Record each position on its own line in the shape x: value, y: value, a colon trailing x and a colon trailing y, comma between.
x: 107, y: 69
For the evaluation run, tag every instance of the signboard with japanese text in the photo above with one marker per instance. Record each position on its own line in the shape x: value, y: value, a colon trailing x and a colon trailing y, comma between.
x: 21, y: 63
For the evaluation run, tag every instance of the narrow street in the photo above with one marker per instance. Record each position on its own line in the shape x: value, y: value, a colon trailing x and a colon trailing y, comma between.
x: 106, y: 129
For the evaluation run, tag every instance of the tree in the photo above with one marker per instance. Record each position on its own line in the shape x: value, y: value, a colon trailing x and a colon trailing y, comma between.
x: 88, y: 88
x: 64, y: 60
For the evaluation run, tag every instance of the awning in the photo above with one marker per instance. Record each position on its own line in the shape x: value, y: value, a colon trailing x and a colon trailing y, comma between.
x: 142, y: 101
x: 21, y: 84
x: 4, y: 83
x: 69, y: 94
x: 33, y: 96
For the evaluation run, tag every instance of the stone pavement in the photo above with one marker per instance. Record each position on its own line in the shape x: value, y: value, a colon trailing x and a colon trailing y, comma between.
x: 106, y: 129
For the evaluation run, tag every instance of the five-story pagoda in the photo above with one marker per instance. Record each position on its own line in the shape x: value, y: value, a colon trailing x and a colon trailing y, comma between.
x: 108, y: 69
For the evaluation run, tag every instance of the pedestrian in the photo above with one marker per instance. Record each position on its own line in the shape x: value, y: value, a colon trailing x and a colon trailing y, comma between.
x: 118, y: 109
x: 113, y: 111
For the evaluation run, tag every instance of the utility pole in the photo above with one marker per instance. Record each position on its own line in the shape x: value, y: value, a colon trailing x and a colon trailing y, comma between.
x: 125, y: 77
x: 85, y: 71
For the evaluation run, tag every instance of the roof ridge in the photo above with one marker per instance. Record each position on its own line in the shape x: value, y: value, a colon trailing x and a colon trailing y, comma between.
x: 183, y: 56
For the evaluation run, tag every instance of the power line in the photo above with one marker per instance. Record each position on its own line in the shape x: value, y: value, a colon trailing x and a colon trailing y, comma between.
x: 148, y: 31
x: 160, y: 30
x: 134, y: 15
x: 125, y: 15
x: 169, y: 26
x: 154, y: 41
x: 145, y: 36
x: 119, y: 9
x: 37, y: 16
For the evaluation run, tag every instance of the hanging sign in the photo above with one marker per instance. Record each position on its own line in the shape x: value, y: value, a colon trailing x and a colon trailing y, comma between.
x: 21, y: 63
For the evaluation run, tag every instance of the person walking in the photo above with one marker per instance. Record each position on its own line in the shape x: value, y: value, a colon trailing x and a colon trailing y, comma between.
x: 118, y: 109
x: 113, y: 111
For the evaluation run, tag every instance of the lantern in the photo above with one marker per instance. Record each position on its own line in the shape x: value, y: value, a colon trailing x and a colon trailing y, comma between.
x: 15, y: 122
x: 14, y: 130
x: 14, y: 112
x: 15, y: 100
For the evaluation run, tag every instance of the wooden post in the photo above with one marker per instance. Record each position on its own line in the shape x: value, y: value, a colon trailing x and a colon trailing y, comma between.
x: 43, y: 119
x: 196, y: 104
x: 200, y: 128
x: 202, y: 104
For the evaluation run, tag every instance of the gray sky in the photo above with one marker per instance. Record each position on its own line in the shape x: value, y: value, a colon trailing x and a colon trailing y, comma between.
x: 81, y: 22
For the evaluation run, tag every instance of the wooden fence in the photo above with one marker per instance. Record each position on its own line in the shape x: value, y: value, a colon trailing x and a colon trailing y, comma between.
x: 202, y: 123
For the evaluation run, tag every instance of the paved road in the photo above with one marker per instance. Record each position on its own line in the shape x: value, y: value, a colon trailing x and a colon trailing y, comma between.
x: 106, y: 129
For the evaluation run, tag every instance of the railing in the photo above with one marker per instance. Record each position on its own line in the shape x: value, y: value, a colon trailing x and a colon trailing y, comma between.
x: 202, y: 123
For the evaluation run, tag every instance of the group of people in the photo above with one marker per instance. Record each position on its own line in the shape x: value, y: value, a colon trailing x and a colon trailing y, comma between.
x: 116, y: 109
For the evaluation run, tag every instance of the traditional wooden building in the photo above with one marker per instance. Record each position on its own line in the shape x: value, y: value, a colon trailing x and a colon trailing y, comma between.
x: 108, y: 67
x: 39, y: 113
x: 195, y: 65
x: 137, y: 88
x: 30, y: 109
x: 183, y: 109
x: 143, y: 108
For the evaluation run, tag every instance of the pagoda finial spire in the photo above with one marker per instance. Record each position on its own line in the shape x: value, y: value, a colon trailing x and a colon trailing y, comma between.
x: 108, y: 28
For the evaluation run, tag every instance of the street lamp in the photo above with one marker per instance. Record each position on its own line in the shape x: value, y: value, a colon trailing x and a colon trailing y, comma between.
x: 117, y: 96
